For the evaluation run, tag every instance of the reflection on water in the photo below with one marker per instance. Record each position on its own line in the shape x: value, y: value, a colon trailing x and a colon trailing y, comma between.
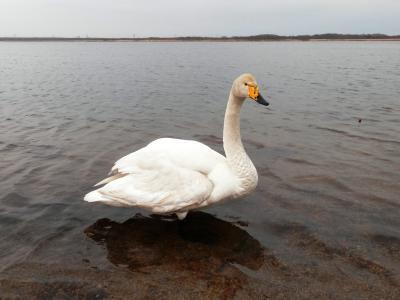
x: 202, y: 246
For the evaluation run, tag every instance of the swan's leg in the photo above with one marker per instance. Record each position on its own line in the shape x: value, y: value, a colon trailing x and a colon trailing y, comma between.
x: 181, y: 215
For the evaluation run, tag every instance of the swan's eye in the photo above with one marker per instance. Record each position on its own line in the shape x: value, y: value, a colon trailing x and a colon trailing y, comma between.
x: 245, y: 83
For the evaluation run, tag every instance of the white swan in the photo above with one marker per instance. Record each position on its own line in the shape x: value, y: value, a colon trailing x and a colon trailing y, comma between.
x: 175, y: 176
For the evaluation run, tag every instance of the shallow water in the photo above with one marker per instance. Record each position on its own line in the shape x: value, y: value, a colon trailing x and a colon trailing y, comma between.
x: 323, y: 222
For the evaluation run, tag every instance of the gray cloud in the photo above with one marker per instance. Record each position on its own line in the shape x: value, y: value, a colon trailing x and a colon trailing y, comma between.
x: 206, y: 17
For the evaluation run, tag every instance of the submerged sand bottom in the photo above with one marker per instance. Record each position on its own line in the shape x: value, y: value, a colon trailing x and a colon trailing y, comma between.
x: 201, y: 257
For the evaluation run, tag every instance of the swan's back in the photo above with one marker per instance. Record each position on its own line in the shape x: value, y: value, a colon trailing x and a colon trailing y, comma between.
x: 187, y: 154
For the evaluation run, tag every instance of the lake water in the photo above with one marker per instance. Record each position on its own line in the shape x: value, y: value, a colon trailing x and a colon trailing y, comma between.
x: 324, y: 221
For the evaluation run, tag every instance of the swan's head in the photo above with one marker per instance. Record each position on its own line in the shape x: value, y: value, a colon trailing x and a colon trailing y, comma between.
x: 245, y: 86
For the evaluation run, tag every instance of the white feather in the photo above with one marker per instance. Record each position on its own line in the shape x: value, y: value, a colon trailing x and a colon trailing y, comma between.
x: 162, y: 177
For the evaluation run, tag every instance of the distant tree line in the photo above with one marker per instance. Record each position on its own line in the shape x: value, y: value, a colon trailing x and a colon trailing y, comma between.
x: 260, y: 37
x: 325, y: 36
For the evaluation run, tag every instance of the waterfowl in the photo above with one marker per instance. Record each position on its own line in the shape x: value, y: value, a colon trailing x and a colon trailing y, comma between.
x: 176, y: 176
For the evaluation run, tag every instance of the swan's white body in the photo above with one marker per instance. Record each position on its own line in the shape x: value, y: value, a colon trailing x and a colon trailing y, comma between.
x: 175, y: 176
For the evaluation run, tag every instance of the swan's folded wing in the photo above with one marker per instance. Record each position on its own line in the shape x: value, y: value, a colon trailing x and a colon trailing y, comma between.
x: 156, y: 184
x: 184, y: 153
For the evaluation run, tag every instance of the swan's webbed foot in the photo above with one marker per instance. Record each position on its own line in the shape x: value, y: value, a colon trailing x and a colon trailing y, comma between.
x: 181, y: 215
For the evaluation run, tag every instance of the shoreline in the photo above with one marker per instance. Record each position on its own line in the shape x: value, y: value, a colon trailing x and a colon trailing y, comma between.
x: 194, y: 41
x: 205, y: 39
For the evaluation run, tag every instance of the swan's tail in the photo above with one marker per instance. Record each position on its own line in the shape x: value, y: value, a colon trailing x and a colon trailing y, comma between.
x: 96, y: 196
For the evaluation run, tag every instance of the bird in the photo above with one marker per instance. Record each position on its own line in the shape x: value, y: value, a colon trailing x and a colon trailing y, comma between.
x: 175, y: 176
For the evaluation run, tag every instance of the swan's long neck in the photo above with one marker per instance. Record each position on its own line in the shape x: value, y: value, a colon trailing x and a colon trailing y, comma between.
x: 232, y: 139
x: 236, y: 155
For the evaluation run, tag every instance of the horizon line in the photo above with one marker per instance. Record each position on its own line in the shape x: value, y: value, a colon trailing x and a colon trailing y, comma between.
x: 264, y: 35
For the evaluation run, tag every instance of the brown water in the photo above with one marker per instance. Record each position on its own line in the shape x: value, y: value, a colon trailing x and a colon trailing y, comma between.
x: 324, y: 221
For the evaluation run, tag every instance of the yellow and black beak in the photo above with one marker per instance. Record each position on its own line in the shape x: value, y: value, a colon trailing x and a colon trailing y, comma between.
x: 255, y: 95
x: 260, y: 99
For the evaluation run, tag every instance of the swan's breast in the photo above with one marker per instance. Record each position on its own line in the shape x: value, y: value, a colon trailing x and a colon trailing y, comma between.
x: 249, y: 181
x: 245, y: 171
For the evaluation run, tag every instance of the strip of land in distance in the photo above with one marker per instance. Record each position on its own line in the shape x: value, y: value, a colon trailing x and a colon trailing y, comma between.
x: 251, y: 38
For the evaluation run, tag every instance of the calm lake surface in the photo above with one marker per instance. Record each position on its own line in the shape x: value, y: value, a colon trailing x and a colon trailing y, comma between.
x: 324, y: 221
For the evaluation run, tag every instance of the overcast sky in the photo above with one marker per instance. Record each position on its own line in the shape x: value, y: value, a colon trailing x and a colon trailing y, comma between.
x: 120, y: 18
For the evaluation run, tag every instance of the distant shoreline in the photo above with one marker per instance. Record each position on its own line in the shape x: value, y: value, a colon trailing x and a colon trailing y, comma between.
x: 254, y: 38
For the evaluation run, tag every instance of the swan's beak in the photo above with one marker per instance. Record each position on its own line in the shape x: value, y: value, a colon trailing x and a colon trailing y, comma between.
x: 253, y: 91
x: 255, y: 95
x: 260, y: 99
